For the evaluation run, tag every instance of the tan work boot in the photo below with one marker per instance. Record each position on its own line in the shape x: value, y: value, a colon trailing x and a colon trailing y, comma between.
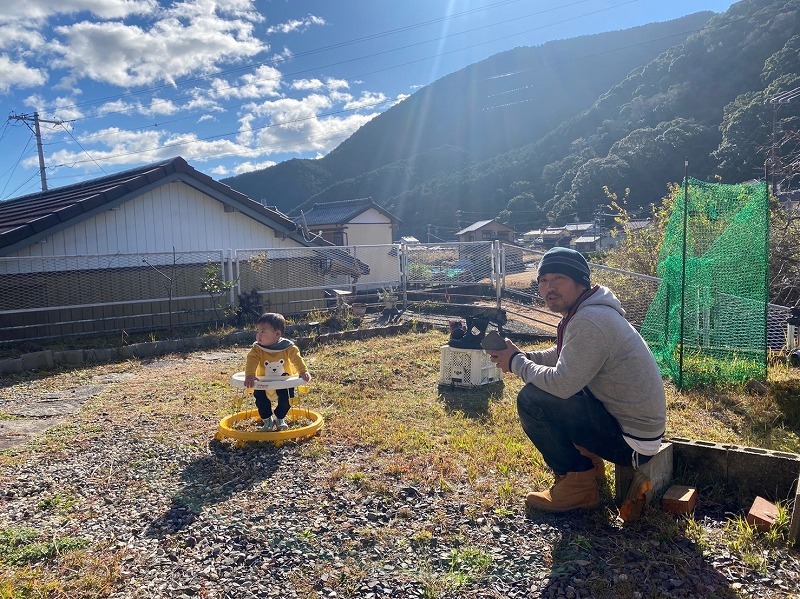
x: 597, y: 462
x: 636, y: 498
x: 570, y: 492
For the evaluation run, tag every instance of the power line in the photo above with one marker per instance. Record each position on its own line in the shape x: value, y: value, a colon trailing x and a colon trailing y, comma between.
x: 390, y: 32
x: 317, y: 50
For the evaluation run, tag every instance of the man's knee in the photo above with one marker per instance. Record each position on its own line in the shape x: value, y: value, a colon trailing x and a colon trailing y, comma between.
x: 531, y: 401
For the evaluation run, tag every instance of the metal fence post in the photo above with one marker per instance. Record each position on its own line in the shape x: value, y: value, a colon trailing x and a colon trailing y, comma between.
x: 402, y: 263
x: 228, y: 275
x: 498, y: 270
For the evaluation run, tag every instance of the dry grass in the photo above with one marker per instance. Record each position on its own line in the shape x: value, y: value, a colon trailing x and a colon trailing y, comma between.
x: 378, y: 396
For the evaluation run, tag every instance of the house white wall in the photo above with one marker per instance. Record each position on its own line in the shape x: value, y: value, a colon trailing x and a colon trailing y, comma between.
x: 174, y: 215
x: 369, y: 228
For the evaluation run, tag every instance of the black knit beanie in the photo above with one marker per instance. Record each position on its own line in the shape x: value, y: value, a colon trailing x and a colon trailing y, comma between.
x: 566, y: 262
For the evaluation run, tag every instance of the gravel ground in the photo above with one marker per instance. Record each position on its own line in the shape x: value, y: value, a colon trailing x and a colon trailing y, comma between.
x: 207, y: 519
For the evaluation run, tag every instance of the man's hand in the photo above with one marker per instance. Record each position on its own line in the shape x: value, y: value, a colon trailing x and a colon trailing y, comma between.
x: 501, y: 357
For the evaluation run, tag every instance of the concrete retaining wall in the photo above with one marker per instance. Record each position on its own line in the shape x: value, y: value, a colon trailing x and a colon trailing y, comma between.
x: 75, y: 357
x: 751, y: 470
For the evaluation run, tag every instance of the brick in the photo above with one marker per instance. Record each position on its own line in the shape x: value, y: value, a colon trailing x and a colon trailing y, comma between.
x: 679, y: 499
x: 762, y: 514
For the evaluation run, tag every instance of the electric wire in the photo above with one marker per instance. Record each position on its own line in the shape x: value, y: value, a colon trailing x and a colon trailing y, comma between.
x: 340, y: 44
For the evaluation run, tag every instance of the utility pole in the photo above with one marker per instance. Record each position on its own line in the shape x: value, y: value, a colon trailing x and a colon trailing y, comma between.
x: 37, y: 132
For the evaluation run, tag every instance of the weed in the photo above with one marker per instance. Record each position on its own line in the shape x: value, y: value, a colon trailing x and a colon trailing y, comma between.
x: 422, y: 539
x: 60, y: 502
x: 20, y: 546
x: 357, y: 477
x: 580, y: 542
x: 467, y: 563
x: 695, y: 532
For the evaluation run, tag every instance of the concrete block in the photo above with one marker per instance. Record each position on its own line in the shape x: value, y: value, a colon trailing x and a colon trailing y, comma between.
x: 11, y: 365
x: 69, y: 356
x: 100, y: 355
x: 762, y: 514
x: 37, y: 360
x: 751, y: 470
x: 658, y: 470
x: 679, y: 499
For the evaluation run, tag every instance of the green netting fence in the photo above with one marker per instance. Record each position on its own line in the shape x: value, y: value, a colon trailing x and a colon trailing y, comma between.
x: 708, y: 321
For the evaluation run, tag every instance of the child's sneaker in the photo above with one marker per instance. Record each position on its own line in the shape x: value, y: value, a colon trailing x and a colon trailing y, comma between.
x: 269, y: 425
x: 281, y: 424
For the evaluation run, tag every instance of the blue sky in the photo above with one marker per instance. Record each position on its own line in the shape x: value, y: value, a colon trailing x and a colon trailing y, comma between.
x: 237, y: 85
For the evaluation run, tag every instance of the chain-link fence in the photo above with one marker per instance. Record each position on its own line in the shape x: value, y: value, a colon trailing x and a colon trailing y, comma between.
x: 82, y: 295
x: 521, y: 292
x: 76, y: 295
x: 302, y: 280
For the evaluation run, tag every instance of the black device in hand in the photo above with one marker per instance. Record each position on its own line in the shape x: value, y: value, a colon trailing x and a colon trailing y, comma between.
x: 493, y: 341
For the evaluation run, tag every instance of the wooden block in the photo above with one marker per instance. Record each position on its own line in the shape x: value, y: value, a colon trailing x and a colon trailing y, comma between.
x: 679, y: 499
x: 762, y: 514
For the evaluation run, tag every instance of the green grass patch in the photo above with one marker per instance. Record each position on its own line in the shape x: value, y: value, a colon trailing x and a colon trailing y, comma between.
x: 25, y: 546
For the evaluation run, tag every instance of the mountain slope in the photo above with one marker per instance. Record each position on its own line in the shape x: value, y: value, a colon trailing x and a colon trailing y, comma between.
x: 705, y: 101
x: 483, y: 110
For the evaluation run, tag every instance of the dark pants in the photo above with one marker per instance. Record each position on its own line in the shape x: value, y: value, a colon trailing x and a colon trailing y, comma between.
x: 264, y: 405
x: 556, y: 426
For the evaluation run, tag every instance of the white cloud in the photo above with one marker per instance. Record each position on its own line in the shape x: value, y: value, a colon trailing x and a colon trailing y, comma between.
x: 290, y: 110
x: 336, y: 84
x: 242, y: 167
x: 313, y: 134
x: 40, y: 10
x: 17, y: 74
x: 367, y: 99
x: 306, y: 84
x: 173, y: 47
x: 114, y: 146
x: 19, y: 37
x: 283, y: 55
x: 157, y: 106
x: 296, y: 25
x: 264, y: 82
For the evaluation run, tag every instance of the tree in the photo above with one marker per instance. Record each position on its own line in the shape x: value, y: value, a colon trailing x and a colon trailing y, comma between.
x: 639, y: 248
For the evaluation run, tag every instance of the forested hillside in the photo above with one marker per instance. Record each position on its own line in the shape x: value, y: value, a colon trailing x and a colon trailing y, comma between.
x: 532, y: 136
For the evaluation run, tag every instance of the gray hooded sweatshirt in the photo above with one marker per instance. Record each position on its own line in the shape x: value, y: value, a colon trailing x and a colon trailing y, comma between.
x: 602, y: 351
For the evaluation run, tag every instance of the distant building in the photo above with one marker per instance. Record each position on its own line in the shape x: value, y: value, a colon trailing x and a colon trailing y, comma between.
x: 632, y: 226
x: 351, y: 222
x: 555, y: 236
x: 588, y: 237
x: 533, y: 236
x: 790, y: 200
x: 486, y: 230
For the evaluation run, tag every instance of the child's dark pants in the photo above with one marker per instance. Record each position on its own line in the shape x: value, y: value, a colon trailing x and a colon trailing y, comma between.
x: 264, y: 405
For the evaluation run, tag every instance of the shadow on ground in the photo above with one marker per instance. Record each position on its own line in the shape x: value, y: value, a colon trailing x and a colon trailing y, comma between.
x: 214, y: 478
x: 647, y: 558
x: 473, y: 402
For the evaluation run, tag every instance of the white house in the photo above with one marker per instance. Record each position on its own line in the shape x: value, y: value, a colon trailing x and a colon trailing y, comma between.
x: 162, y: 207
x: 131, y: 251
x: 351, y: 222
